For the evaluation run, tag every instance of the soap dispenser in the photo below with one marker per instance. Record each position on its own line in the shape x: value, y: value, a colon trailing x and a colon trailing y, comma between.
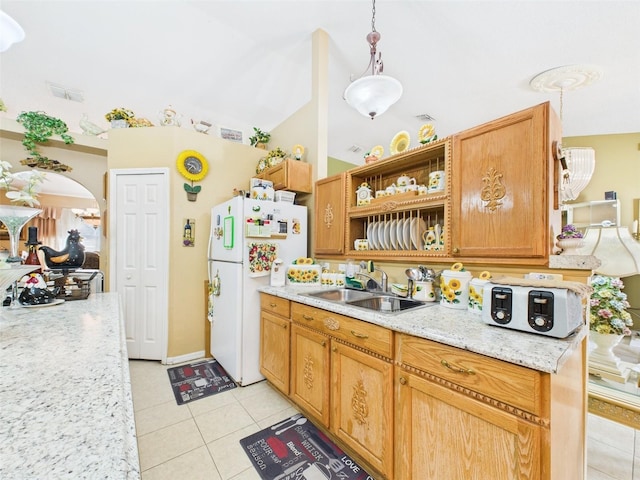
x: 277, y: 273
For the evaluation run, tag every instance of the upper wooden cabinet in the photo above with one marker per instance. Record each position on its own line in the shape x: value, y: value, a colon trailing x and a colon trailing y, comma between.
x: 292, y: 175
x: 330, y: 215
x: 502, y: 190
x: 498, y: 203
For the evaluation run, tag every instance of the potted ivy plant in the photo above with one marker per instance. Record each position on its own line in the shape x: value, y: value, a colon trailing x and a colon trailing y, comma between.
x: 39, y: 128
x: 259, y: 139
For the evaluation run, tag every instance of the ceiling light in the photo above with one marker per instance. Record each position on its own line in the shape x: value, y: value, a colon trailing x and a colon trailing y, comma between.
x: 578, y: 163
x: 10, y: 32
x: 372, y: 95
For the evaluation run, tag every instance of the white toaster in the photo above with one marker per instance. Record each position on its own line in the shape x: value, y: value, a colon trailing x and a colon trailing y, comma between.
x: 555, y: 312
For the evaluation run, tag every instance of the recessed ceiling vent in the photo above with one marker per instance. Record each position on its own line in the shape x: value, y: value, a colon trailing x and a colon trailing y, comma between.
x: 425, y: 117
x: 355, y: 148
x: 66, y: 93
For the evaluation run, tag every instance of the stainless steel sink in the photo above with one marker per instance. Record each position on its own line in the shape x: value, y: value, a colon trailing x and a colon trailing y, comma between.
x: 341, y: 295
x: 386, y: 303
x: 376, y: 301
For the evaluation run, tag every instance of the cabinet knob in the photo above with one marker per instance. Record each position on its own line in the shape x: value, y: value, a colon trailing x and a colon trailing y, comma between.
x: 403, y: 381
x: 323, y: 343
x: 334, y: 349
x: 284, y: 326
x: 456, y: 250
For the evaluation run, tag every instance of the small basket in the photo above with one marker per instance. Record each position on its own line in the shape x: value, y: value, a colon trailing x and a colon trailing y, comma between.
x: 285, y: 196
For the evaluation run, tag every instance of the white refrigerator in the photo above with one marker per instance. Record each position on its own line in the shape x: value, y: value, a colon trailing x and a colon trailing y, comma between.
x: 246, y: 236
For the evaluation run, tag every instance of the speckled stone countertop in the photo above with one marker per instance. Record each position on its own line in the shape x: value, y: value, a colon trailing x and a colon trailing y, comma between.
x: 66, y: 410
x: 457, y: 328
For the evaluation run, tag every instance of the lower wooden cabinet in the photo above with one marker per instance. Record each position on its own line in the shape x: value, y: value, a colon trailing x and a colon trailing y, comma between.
x: 447, y: 435
x: 310, y: 372
x: 362, y: 405
x: 275, y: 341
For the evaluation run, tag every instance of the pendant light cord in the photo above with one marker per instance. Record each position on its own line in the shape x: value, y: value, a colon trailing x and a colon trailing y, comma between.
x: 373, y: 17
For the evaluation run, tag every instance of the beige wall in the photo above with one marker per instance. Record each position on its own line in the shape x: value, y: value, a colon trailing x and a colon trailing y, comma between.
x: 231, y: 165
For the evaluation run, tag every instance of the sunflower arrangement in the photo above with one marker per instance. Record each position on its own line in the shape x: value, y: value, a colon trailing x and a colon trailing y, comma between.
x: 120, y: 114
x: 427, y: 133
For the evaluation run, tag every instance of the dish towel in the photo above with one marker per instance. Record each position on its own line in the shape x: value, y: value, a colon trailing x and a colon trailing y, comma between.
x: 261, y: 256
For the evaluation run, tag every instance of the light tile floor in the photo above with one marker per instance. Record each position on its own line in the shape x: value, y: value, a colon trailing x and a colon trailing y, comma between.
x: 200, y: 440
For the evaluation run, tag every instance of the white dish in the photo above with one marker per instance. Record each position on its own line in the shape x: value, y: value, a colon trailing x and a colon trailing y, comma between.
x: 373, y: 236
x: 57, y: 301
x: 384, y: 234
x: 399, y: 231
x: 418, y: 227
x: 393, y: 234
x: 406, y: 234
x: 370, y: 238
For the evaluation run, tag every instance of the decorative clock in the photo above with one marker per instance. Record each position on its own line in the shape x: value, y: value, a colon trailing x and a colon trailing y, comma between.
x: 192, y: 165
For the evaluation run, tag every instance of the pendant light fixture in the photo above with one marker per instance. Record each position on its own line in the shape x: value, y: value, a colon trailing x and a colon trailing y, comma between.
x: 578, y: 163
x: 10, y: 32
x: 373, y: 94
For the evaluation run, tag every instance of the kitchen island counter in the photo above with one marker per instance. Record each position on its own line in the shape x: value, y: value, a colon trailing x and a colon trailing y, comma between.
x: 65, y: 392
x: 457, y: 328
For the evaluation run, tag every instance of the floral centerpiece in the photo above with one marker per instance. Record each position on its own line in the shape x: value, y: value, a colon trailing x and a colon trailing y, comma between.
x: 22, y: 189
x: 570, y: 240
x: 607, y: 307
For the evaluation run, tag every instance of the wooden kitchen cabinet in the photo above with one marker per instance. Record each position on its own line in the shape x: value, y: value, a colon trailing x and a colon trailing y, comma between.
x: 292, y: 175
x: 503, y: 187
x: 362, y: 405
x: 463, y: 415
x: 275, y: 328
x: 310, y: 372
x: 330, y: 215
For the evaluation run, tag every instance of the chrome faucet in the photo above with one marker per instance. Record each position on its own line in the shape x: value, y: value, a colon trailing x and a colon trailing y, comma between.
x: 384, y: 278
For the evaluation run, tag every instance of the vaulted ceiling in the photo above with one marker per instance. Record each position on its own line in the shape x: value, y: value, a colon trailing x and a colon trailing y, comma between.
x: 241, y: 63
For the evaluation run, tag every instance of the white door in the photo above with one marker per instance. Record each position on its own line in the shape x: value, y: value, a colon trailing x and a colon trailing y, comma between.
x: 139, y: 253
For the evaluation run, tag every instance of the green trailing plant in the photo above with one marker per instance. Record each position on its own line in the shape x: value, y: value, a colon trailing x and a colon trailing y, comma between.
x: 39, y: 128
x: 259, y: 137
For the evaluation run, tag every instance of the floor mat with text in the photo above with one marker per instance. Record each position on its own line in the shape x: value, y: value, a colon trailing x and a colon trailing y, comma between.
x: 295, y: 449
x: 198, y: 380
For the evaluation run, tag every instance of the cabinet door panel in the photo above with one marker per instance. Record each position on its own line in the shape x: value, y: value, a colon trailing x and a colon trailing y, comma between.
x: 310, y: 372
x: 499, y: 201
x: 274, y: 350
x: 330, y: 206
x: 448, y: 436
x: 362, y: 405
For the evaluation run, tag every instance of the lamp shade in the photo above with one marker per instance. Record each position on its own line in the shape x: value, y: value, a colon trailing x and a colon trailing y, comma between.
x: 581, y: 162
x: 10, y: 32
x: 615, y: 248
x: 373, y: 95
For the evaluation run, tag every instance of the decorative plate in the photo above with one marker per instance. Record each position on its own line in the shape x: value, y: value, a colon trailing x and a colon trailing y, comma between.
x: 377, y: 151
x: 400, y: 142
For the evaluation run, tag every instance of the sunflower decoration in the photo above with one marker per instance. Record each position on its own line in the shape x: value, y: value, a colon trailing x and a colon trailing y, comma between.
x: 298, y: 151
x: 377, y: 151
x: 194, y: 167
x: 427, y: 133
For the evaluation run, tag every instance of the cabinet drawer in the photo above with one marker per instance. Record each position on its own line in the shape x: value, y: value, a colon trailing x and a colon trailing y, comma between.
x: 503, y: 381
x: 273, y: 304
x: 366, y: 335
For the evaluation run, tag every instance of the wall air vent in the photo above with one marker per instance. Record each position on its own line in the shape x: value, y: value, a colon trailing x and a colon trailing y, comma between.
x: 66, y: 93
x: 425, y: 117
x: 355, y: 148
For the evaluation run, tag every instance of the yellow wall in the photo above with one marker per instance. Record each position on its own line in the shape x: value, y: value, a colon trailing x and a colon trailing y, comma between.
x: 231, y: 165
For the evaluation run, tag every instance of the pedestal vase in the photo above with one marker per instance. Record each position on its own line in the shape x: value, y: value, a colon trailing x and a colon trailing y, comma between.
x: 14, y: 218
x: 602, y: 359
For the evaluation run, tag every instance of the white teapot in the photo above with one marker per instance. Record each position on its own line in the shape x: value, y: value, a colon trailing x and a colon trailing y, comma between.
x: 406, y: 180
x: 363, y: 194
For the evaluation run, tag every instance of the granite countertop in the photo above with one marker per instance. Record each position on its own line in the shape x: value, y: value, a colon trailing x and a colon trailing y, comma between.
x: 65, y: 393
x: 457, y: 328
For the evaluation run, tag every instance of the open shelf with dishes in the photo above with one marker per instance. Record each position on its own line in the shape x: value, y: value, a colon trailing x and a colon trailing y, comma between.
x: 399, y: 205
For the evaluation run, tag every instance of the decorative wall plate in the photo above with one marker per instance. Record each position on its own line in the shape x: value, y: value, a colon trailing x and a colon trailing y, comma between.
x: 377, y: 151
x: 400, y: 142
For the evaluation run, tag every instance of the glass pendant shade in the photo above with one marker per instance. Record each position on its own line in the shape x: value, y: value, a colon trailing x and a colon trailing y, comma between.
x: 373, y: 95
x: 581, y: 162
x: 10, y: 32
x: 615, y: 248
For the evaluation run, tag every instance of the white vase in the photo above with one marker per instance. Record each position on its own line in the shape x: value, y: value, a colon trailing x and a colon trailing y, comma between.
x: 14, y: 218
x: 119, y: 124
x: 570, y: 246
